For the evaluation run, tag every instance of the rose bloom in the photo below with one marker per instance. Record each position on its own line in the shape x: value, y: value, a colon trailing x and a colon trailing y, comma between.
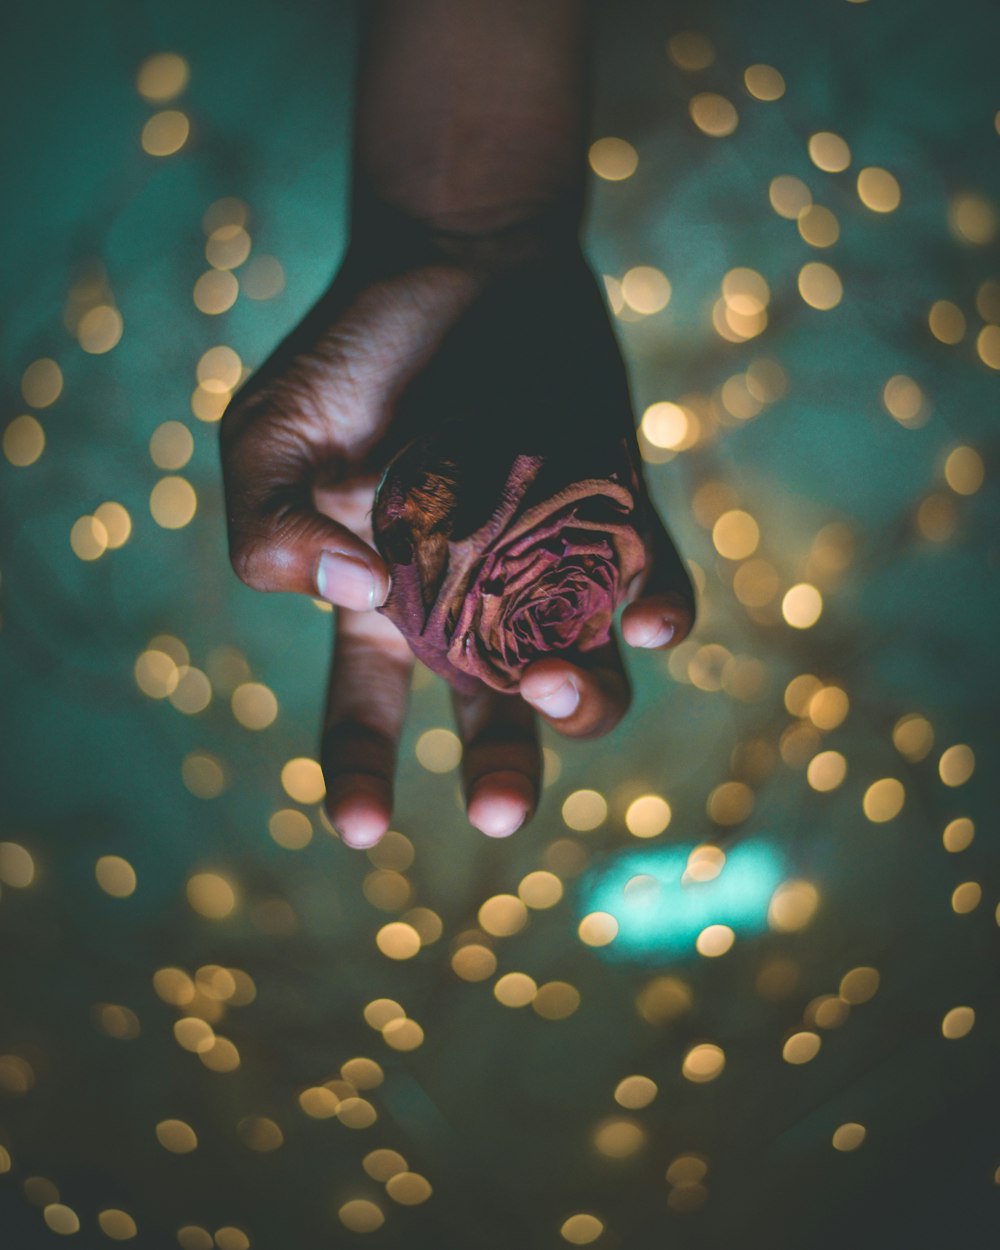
x: 497, y: 563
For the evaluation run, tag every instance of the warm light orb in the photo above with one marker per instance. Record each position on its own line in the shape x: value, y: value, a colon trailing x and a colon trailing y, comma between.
x: 23, y: 441
x: 165, y: 133
x: 956, y: 765
x: 715, y: 940
x: 878, y: 190
x: 802, y: 606
x: 849, y: 1136
x: 584, y: 810
x: 713, y: 114
x: 703, y: 1063
x: 958, y: 1023
x: 801, y: 1047
x: 302, y: 780
x: 820, y: 286
x: 883, y: 800
x: 613, y: 159
x: 764, y: 82
x: 599, y: 928
x: 646, y: 290
x: 829, y: 152
x: 947, y: 322
x: 439, y: 750
x: 581, y: 1229
x: 647, y: 816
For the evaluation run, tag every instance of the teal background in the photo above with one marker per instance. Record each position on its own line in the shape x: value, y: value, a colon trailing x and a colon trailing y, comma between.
x: 497, y: 1108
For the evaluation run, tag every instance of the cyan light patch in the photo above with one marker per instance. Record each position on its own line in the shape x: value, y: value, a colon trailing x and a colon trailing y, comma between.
x: 659, y: 915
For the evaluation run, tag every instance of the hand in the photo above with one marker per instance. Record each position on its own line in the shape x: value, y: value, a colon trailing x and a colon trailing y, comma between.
x: 304, y: 445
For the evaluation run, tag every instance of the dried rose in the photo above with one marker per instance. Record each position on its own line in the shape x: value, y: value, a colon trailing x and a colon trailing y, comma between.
x: 500, y: 559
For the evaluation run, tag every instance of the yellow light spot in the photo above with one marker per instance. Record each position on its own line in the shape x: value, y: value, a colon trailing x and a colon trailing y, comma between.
x: 439, y: 750
x: 878, y: 190
x: 663, y: 999
x: 905, y: 401
x: 193, y: 1237
x: 618, y: 1137
x: 745, y: 291
x: 715, y: 940
x: 646, y: 290
x: 228, y: 246
x: 386, y: 889
x: 162, y: 76
x: 802, y: 606
x: 859, y: 985
x: 302, y: 780
x: 116, y: 1224
x: 356, y: 1113
x: 826, y: 771
x: 849, y: 1136
x: 581, y: 1229
x: 556, y: 1000
x: 515, y: 989
x: 598, y: 928
x: 756, y: 583
x: 584, y: 810
x: 647, y: 816
x: 828, y: 1011
x: 395, y: 851
x: 61, y: 1218
x: 635, y: 1092
x: 42, y: 383
x: 829, y: 152
x: 100, y: 329
x: 173, y: 986
x: 913, y: 736
x: 165, y: 133
x: 290, y: 828
x: 793, y: 905
x: 116, y: 521
x: 884, y: 800
x: 474, y: 962
x: 966, y: 897
x: 703, y: 1063
x: 973, y: 219
x: 737, y: 400
x: 173, y: 502
x: 408, y: 1188
x: 818, y: 226
x: 764, y: 82
x: 229, y: 211
x: 936, y: 518
x: 319, y: 1103
x: 88, y: 538
x: 736, y: 535
x: 964, y: 470
x: 820, y: 286
x: 801, y: 1047
x: 263, y: 278
x: 17, y: 868
x: 221, y: 1056
x: 690, y: 50
x: 667, y: 426
x: 381, y: 1011
x: 193, y: 692
x: 828, y: 707
x: 947, y: 322
x: 362, y: 1073
x: 687, y: 1170
x: 540, y: 890
x: 361, y: 1216
x: 704, y: 863
x: 382, y: 1165
x: 613, y: 159
x: 176, y: 1136
x: 115, y: 876
x: 116, y: 1021
x: 194, y: 1034
x: 988, y: 346
x: 215, y: 292
x: 958, y: 1023
x: 254, y: 705
x: 403, y: 1035
x: 219, y: 369
x: 203, y: 775
x: 209, y: 405
x: 259, y: 1133
x: 397, y: 940
x: 988, y: 300
x: 789, y: 196
x: 731, y: 803
x: 211, y: 895
x: 23, y: 441
x: 958, y: 834
x: 713, y: 114
x: 503, y: 915
x: 229, y: 1238
x: 956, y: 765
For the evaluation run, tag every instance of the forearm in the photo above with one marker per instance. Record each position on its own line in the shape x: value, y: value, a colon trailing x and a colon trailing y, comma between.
x: 472, y: 113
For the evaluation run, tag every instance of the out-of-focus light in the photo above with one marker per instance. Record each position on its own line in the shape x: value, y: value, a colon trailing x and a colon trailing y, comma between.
x: 713, y: 114
x: 613, y: 159
x: 878, y: 190
x: 829, y: 152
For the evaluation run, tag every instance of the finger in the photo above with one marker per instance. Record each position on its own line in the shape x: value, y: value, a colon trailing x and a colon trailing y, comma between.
x: 579, y: 700
x: 366, y: 704
x: 501, y: 760
x: 278, y: 539
x: 663, y: 614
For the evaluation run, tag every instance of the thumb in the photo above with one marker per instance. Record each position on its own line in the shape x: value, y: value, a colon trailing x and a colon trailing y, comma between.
x: 663, y: 613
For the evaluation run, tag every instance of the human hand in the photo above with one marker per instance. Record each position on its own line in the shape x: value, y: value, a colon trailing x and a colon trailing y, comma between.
x: 388, y: 350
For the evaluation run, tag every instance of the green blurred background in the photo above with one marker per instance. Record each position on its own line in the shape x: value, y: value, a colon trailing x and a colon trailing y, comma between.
x: 191, y: 958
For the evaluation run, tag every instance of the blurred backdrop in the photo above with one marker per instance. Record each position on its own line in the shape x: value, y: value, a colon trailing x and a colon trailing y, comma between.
x: 736, y: 982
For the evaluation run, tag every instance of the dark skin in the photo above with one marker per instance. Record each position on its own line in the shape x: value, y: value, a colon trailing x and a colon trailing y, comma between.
x: 469, y: 166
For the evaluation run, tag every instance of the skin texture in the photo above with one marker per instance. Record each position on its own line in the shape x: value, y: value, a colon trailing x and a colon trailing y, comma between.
x: 466, y: 211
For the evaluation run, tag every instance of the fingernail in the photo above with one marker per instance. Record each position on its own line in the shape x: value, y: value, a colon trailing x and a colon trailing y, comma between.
x: 499, y: 804
x: 562, y: 702
x: 345, y: 581
x: 657, y: 635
